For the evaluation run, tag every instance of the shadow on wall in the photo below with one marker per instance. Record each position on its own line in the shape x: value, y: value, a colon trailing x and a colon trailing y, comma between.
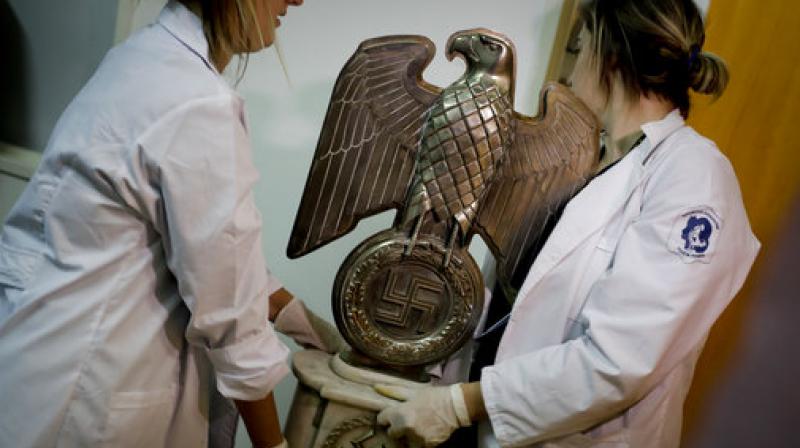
x: 754, y: 401
x: 13, y: 79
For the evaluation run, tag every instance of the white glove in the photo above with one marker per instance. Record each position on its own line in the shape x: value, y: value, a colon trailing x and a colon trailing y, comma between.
x: 307, y: 329
x: 429, y: 415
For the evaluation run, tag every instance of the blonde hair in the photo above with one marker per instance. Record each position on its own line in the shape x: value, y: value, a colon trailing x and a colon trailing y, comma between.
x: 229, y: 25
x: 655, y: 47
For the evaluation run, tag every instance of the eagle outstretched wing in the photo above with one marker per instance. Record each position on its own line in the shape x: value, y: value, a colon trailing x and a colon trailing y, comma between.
x: 553, y: 156
x: 367, y: 148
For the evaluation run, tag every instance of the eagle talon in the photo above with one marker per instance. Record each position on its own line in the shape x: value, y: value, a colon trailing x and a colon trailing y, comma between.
x: 412, y: 241
x: 449, y: 248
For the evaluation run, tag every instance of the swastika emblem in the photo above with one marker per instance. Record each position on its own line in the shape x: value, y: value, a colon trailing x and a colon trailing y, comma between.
x: 407, y: 309
x: 409, y: 302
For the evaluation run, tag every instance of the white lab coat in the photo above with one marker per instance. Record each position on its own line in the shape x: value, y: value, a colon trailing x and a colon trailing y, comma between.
x: 131, y: 271
x: 607, y: 327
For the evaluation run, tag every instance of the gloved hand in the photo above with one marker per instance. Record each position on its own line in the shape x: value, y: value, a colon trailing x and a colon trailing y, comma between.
x: 428, y: 416
x: 307, y: 329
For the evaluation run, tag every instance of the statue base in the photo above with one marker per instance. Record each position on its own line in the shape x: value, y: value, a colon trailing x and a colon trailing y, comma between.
x: 335, y: 405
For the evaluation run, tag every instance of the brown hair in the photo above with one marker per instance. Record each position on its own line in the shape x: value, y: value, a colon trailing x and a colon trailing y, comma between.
x: 655, y: 47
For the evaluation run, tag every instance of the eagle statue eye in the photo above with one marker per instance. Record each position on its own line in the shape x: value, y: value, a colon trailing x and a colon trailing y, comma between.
x: 490, y: 44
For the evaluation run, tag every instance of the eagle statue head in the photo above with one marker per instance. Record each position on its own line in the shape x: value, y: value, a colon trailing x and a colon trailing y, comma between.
x: 486, y: 53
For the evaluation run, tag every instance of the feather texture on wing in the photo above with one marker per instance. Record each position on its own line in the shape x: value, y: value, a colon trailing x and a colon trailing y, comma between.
x: 365, y: 157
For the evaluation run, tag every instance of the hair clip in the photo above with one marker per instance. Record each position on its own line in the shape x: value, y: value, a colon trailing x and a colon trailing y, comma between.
x: 693, y: 52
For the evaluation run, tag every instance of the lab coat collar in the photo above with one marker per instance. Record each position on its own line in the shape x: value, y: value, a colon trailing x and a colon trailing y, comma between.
x: 657, y: 131
x: 187, y: 27
x: 588, y: 211
x: 597, y: 203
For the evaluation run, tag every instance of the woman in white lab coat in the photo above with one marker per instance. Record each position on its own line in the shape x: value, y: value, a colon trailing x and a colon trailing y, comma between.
x: 602, y: 339
x: 132, y: 279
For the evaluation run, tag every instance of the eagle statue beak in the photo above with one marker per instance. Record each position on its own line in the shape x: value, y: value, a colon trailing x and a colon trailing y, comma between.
x: 459, y: 44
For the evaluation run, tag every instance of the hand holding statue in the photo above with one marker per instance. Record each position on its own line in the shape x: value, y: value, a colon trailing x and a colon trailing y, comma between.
x: 291, y: 317
x: 428, y: 416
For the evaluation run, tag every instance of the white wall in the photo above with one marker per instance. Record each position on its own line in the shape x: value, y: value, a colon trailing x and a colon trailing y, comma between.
x: 703, y: 5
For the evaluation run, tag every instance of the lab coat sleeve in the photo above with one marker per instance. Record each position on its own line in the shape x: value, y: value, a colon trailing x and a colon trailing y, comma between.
x: 642, y: 318
x: 211, y: 232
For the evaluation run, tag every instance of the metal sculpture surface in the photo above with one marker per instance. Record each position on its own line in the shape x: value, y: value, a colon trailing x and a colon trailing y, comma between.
x: 453, y: 162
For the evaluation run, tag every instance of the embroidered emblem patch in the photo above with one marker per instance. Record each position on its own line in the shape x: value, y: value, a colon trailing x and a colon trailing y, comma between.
x: 694, y: 234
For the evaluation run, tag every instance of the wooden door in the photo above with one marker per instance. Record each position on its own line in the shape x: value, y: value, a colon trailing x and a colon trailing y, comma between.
x: 756, y: 124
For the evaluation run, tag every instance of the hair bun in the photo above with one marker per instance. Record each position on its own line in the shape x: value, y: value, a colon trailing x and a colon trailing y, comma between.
x: 708, y: 74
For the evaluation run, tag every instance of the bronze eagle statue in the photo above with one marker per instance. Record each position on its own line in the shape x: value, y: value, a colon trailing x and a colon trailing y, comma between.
x: 453, y: 161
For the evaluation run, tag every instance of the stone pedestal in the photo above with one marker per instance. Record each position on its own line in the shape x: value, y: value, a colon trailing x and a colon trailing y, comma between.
x: 335, y: 405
